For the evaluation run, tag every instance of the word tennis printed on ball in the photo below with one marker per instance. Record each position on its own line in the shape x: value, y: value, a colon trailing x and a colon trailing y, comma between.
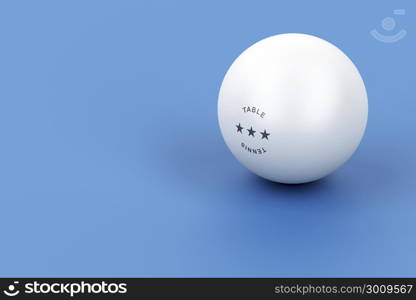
x: 292, y: 108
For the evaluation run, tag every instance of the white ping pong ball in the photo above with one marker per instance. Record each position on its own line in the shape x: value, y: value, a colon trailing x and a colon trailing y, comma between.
x: 292, y: 108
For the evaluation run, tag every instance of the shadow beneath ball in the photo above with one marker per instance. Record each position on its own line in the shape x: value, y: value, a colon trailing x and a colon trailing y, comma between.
x: 319, y: 186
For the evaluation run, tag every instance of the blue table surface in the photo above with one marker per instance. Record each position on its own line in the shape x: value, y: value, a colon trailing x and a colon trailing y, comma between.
x: 112, y: 162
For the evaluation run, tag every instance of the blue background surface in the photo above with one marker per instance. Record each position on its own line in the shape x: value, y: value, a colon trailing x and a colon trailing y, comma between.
x: 112, y: 163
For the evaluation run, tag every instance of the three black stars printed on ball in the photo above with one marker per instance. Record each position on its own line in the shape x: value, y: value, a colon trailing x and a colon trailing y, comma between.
x: 251, y: 132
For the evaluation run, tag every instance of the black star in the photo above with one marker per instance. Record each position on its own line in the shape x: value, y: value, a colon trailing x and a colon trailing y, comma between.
x: 239, y: 128
x: 264, y: 135
x: 251, y: 131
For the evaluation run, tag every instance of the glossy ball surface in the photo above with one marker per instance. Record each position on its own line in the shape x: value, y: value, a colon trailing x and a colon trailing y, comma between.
x: 292, y: 108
